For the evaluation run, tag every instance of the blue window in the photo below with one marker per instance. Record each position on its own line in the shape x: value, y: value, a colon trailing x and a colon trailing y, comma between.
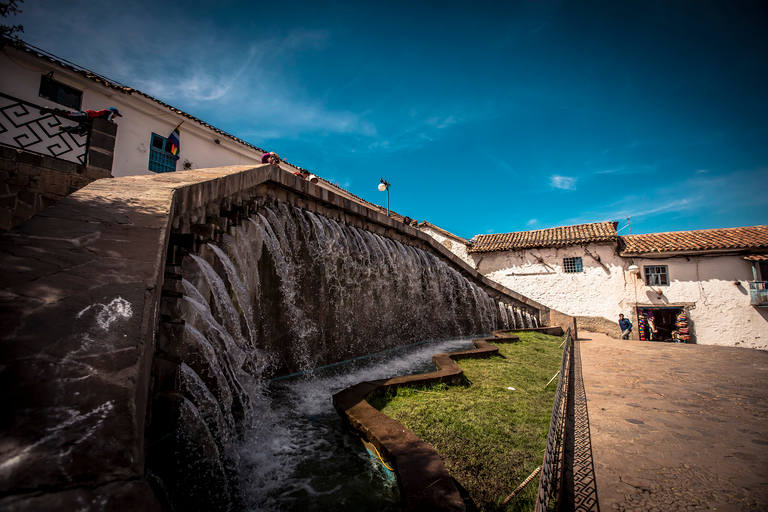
x: 656, y: 275
x: 161, y: 160
x: 572, y: 265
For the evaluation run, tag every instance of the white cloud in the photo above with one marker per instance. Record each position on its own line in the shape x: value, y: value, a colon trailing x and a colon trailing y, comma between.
x: 532, y: 222
x: 563, y: 182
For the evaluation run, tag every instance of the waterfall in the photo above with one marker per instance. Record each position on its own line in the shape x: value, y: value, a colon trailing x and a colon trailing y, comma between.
x: 288, y: 291
x: 511, y: 315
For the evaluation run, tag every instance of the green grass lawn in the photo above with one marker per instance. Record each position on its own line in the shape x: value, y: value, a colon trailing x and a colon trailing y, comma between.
x: 490, y: 437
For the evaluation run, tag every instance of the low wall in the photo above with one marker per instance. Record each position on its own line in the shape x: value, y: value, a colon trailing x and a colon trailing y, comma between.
x: 30, y: 183
x: 81, y: 285
x: 601, y: 324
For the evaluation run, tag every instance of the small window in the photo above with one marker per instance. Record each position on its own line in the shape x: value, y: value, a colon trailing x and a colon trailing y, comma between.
x: 62, y: 94
x: 572, y: 265
x: 656, y: 275
x: 161, y: 160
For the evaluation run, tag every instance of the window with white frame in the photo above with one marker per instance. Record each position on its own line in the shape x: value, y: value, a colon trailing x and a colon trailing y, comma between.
x: 572, y: 265
x: 160, y: 158
x: 656, y: 275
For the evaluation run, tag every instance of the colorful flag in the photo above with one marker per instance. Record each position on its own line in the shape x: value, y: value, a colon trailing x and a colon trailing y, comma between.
x: 173, y: 144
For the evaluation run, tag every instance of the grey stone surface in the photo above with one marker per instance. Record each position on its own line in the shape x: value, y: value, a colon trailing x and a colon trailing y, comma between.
x: 675, y: 426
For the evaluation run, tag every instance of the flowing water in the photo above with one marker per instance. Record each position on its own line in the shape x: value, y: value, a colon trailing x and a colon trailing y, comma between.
x: 305, y: 460
x: 290, y: 291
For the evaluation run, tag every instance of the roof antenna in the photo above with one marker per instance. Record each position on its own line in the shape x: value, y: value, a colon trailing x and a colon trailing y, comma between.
x: 630, y: 225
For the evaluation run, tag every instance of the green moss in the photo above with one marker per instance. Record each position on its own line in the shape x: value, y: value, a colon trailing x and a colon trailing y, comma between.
x: 491, y: 438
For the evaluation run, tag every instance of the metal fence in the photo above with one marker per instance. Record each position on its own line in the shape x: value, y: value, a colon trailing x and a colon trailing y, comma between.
x: 551, y: 480
x: 25, y: 126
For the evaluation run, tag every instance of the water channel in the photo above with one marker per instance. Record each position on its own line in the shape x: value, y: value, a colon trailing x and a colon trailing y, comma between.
x: 301, y: 457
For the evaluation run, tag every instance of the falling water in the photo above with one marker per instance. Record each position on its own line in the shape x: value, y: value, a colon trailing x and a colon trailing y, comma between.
x: 290, y: 291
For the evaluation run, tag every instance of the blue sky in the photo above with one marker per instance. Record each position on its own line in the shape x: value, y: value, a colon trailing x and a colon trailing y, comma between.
x: 486, y: 117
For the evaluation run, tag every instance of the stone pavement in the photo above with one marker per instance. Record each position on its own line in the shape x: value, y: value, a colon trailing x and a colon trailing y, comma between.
x: 676, y: 427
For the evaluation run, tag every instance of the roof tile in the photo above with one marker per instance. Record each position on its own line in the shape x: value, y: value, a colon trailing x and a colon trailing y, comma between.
x: 599, y: 232
x: 753, y: 237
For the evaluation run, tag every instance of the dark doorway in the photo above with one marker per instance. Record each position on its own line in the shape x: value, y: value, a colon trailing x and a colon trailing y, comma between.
x: 670, y: 324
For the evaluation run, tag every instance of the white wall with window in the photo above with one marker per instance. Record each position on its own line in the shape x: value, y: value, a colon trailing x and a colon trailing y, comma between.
x: 45, y: 83
x: 713, y: 288
x: 568, y: 279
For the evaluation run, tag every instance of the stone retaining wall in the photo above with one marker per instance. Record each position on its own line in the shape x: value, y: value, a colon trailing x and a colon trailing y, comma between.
x: 30, y: 182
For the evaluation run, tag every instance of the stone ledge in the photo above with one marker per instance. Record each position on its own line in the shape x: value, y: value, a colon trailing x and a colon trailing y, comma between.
x: 424, y: 481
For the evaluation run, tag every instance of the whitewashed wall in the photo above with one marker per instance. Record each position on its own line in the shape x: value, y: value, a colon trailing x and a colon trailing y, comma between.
x: 588, y: 293
x: 20, y: 77
x: 722, y: 314
x: 720, y: 310
x: 456, y: 247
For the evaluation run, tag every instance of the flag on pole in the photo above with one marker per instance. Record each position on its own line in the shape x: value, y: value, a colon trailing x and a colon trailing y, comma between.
x: 173, y: 145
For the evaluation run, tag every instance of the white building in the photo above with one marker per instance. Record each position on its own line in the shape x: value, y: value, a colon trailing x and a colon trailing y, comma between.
x: 37, y: 77
x: 714, y: 278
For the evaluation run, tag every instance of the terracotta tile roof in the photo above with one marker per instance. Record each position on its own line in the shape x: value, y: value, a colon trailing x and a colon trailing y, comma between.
x: 754, y: 237
x: 599, y: 232
x: 756, y: 257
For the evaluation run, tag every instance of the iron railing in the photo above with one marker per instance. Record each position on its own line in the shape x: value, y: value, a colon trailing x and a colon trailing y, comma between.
x: 25, y: 126
x: 758, y: 293
x: 551, y: 480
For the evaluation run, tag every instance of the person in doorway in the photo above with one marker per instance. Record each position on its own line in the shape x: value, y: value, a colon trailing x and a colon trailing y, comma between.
x: 654, y: 332
x: 626, y: 327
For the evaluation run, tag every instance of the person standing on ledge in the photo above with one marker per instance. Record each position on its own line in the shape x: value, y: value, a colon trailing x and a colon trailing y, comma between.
x: 625, y: 326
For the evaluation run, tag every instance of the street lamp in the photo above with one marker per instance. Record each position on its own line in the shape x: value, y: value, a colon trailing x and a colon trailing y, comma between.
x: 384, y: 185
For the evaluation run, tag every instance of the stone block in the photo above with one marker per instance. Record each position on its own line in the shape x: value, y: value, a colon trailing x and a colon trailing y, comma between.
x: 29, y: 170
x: 59, y: 189
x: 95, y: 173
x: 23, y: 157
x: 77, y: 182
x: 8, y: 202
x: 8, y: 153
x: 23, y: 212
x: 104, y: 126
x: 59, y: 165
x: 27, y: 196
x: 20, y: 180
x: 99, y: 160
x: 102, y: 141
x: 8, y: 166
x: 6, y: 219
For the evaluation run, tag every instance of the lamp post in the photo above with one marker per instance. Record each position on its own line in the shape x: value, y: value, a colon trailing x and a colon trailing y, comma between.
x: 384, y: 185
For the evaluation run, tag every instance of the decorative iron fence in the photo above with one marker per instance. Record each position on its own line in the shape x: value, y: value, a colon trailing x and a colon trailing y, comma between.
x: 551, y: 480
x: 25, y: 126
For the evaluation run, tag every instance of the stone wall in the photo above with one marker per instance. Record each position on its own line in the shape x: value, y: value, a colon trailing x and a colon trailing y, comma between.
x: 30, y: 183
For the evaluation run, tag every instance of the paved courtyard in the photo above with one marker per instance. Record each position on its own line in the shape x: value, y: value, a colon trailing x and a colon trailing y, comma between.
x: 676, y: 427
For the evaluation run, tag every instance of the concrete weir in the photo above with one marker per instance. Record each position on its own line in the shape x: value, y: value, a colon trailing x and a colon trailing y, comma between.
x: 91, y: 315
